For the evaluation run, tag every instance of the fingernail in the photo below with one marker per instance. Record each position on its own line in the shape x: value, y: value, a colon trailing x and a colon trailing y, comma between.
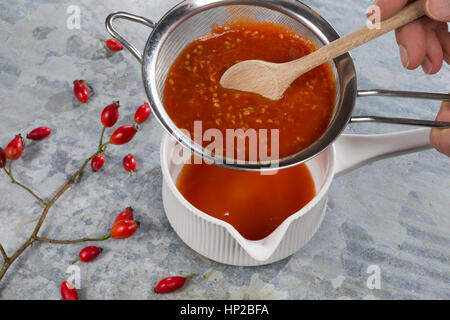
x: 427, y: 66
x: 438, y: 9
x: 447, y: 58
x: 404, y: 56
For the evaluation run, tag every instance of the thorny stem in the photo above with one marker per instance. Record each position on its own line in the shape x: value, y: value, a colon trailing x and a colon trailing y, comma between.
x: 4, y: 255
x: 13, y: 180
x: 34, y: 236
x: 105, y: 237
x: 101, y: 149
x: 103, y: 146
x: 80, y: 171
x: 100, y: 144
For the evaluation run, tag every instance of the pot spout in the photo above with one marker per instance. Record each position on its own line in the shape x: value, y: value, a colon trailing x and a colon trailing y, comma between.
x: 261, y: 250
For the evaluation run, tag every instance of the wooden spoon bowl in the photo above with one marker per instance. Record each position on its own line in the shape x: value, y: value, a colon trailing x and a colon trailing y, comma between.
x: 272, y: 79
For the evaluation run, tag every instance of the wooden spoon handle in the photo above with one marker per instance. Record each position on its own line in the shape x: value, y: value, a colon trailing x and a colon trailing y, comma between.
x: 355, y: 39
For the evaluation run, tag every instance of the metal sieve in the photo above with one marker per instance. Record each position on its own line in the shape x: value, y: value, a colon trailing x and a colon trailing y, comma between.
x: 192, y: 19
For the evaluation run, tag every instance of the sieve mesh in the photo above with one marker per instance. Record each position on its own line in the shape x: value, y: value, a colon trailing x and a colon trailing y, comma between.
x: 202, y: 22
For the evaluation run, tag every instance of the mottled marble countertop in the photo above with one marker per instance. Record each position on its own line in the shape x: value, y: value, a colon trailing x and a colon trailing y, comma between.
x: 393, y: 213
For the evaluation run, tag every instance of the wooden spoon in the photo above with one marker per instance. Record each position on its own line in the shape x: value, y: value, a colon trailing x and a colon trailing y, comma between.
x: 272, y: 79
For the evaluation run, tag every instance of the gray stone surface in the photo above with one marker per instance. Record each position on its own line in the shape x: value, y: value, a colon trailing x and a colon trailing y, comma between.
x: 393, y: 213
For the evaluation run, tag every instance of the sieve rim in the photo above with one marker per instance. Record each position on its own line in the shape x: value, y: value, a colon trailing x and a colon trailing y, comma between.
x: 345, y: 72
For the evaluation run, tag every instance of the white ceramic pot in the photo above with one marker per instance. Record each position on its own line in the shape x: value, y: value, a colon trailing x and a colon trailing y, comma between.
x: 221, y: 242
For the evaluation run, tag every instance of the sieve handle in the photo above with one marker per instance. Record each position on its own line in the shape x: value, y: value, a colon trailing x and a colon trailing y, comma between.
x: 404, y: 94
x: 131, y: 17
x: 404, y: 121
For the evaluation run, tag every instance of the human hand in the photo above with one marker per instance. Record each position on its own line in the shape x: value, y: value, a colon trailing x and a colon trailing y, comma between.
x: 426, y: 41
x: 440, y: 138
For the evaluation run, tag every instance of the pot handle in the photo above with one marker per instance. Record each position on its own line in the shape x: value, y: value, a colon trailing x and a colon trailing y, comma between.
x: 354, y: 151
x: 127, y: 16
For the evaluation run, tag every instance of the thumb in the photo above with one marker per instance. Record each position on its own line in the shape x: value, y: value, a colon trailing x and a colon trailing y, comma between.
x: 438, y: 9
x: 440, y: 138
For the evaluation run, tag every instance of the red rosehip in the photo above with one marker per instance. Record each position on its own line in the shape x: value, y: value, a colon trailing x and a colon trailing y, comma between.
x: 113, y: 45
x: 97, y: 162
x: 14, y: 149
x: 68, y: 292
x: 129, y: 163
x: 39, y: 133
x: 171, y: 284
x: 123, y: 135
x: 2, y: 158
x: 142, y: 113
x: 81, y: 90
x: 88, y: 254
x: 124, y: 229
x: 110, y: 114
x: 127, y: 214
